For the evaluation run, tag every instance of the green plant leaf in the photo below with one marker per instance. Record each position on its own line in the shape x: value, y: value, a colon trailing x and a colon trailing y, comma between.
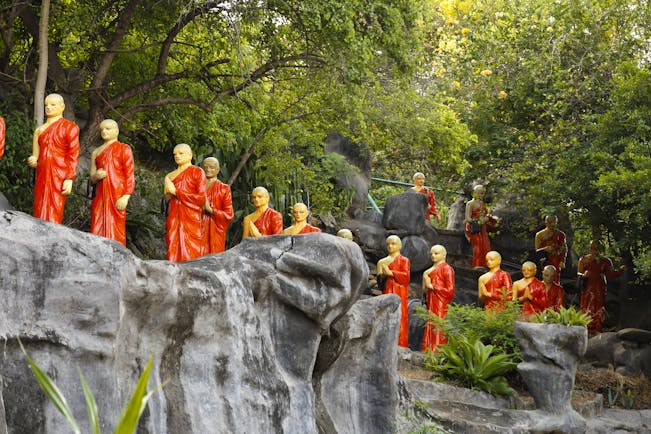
x: 51, y: 391
x: 91, y: 405
x: 132, y: 412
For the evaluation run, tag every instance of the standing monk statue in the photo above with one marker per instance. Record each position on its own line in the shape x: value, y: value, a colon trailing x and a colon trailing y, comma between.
x: 55, y: 150
x: 218, y: 210
x: 530, y: 291
x: 419, y: 186
x: 112, y: 170
x: 477, y: 216
x: 300, y: 226
x: 396, y: 269
x: 264, y: 220
x: 438, y: 284
x: 2, y: 137
x: 495, y: 285
x: 555, y: 292
x: 185, y: 189
x: 595, y: 268
x: 551, y: 242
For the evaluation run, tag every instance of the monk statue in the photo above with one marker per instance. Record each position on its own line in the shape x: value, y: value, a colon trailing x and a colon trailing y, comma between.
x: 530, y: 291
x: 112, y: 170
x: 419, y: 186
x: 264, y: 220
x: 554, y: 291
x: 438, y: 285
x: 300, y: 226
x: 477, y: 216
x: 55, y: 150
x: 594, y: 268
x: 185, y: 189
x: 218, y: 210
x: 345, y: 233
x: 396, y: 269
x: 551, y: 242
x: 2, y: 137
x: 495, y: 285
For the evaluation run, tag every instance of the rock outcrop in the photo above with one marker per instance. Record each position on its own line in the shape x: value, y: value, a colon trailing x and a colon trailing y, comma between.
x: 234, y: 335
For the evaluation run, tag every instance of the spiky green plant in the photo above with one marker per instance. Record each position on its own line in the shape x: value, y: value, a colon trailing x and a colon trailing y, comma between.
x: 130, y: 414
x: 472, y: 363
x: 567, y: 317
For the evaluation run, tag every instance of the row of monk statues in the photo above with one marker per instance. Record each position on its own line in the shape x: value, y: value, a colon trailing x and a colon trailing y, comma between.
x: 200, y: 210
x: 495, y: 287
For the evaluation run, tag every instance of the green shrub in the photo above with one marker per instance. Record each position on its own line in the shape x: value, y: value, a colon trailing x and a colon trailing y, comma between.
x: 567, y: 317
x: 472, y: 363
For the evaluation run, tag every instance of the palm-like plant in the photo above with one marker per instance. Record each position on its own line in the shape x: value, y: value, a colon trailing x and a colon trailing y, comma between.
x: 471, y: 362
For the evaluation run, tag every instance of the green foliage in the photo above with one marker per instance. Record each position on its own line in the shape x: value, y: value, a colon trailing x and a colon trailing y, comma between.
x: 491, y: 328
x: 16, y: 178
x: 131, y: 413
x: 565, y: 316
x: 472, y: 363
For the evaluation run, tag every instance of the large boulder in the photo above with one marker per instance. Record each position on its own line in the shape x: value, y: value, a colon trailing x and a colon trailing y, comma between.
x: 234, y: 335
x: 405, y: 212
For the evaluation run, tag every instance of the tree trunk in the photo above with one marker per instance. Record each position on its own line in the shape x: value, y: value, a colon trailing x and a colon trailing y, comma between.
x: 41, y: 78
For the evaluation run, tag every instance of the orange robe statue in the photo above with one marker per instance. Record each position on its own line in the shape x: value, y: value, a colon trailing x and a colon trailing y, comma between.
x: 57, y: 162
x: 499, y: 290
x: 183, y: 237
x: 442, y: 278
x: 552, y: 243
x: 214, y: 225
x: 399, y: 284
x: 538, y: 301
x: 480, y: 241
x: 593, y: 296
x: 555, y: 296
x: 308, y: 229
x: 270, y: 222
x: 106, y: 220
x: 2, y: 137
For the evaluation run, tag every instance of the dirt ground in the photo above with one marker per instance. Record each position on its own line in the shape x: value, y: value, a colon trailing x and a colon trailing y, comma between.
x: 618, y: 391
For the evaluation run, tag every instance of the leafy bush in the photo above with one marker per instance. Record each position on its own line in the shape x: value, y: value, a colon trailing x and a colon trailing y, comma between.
x: 491, y: 328
x: 568, y: 317
x: 472, y: 363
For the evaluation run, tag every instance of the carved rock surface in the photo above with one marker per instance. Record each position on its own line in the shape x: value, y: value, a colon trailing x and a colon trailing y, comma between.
x: 370, y: 327
x: 235, y: 335
x: 406, y: 212
x: 551, y: 353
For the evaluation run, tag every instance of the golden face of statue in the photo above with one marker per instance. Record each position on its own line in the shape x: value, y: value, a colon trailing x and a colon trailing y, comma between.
x: 437, y: 255
x: 182, y: 155
x: 299, y: 212
x: 54, y: 106
x: 211, y: 168
x: 493, y: 260
x: 528, y: 270
x: 109, y: 130
x: 393, y: 245
x: 259, y: 198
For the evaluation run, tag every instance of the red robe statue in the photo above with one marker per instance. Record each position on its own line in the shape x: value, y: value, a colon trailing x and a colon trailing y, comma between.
x: 431, y: 208
x: 538, y: 301
x: 214, y: 225
x: 555, y: 297
x: 399, y: 284
x: 558, y: 254
x: 480, y: 242
x: 184, y: 219
x: 270, y: 222
x: 106, y: 220
x: 437, y: 302
x: 309, y: 229
x: 2, y: 137
x: 594, y: 294
x: 57, y: 161
x: 495, y: 301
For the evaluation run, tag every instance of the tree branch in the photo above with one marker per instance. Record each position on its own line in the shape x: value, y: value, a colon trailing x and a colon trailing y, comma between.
x: 165, y: 101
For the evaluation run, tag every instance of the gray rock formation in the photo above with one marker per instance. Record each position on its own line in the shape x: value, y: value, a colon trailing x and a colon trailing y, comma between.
x: 550, y: 354
x: 405, y: 213
x: 4, y: 203
x: 628, y: 351
x: 354, y: 397
x: 235, y: 335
